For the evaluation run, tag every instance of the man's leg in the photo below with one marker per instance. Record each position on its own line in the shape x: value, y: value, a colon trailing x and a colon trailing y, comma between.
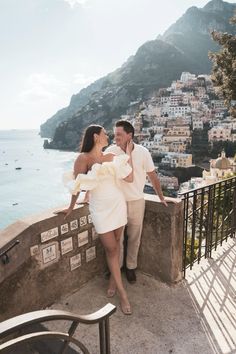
x: 134, y: 230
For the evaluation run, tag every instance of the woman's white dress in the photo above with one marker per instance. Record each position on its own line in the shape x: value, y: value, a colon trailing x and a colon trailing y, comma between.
x: 107, y: 204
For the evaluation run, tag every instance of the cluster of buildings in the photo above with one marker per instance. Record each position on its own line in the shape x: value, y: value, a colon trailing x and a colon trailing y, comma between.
x: 222, y: 130
x: 220, y: 168
x: 164, y: 123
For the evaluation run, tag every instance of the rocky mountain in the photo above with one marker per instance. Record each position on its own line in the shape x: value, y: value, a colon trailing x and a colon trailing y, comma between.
x: 77, y: 101
x: 183, y: 47
x: 191, y: 33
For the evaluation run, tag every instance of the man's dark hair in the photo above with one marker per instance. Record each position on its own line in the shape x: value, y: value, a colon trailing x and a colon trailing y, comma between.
x: 127, y: 126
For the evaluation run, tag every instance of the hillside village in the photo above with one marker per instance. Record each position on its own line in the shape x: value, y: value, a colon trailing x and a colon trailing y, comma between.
x: 168, y: 122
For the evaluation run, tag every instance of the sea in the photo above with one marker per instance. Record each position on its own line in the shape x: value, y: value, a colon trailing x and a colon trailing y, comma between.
x: 30, y: 176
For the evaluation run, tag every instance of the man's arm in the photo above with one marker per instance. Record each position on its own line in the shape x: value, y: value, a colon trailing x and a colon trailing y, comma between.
x: 156, y: 185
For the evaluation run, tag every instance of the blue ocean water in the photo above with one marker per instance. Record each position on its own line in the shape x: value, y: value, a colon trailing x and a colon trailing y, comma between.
x: 35, y: 187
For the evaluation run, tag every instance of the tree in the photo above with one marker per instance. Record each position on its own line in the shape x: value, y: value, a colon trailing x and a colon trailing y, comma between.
x: 224, y: 67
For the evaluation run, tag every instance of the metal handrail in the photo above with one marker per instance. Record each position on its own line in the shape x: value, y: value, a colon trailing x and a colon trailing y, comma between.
x: 22, y: 322
x: 209, y: 219
x: 4, y: 254
x: 205, y: 187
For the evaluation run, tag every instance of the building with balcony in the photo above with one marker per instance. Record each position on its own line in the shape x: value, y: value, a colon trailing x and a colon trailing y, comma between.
x: 157, y: 129
x: 178, y: 121
x: 177, y: 146
x: 180, y: 110
x: 197, y: 123
x: 219, y: 133
x: 186, y: 76
x: 160, y: 149
x: 177, y: 137
x: 217, y: 104
x: 195, y: 103
x: 173, y: 160
x: 169, y: 182
x: 176, y: 100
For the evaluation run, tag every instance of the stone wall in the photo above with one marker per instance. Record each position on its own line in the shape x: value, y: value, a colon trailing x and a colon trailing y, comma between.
x: 55, y: 257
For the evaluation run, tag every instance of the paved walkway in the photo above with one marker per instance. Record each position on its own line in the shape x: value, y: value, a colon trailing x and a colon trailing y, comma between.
x: 212, y: 288
x: 195, y: 316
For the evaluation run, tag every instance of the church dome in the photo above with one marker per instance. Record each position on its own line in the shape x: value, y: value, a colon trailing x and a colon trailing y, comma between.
x: 222, y: 163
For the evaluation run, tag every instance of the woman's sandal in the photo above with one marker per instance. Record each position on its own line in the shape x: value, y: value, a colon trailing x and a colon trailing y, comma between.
x: 126, y: 309
x: 111, y: 292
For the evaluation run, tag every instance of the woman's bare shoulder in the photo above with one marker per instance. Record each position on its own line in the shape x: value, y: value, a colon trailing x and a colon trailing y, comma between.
x: 82, y: 157
x: 81, y: 163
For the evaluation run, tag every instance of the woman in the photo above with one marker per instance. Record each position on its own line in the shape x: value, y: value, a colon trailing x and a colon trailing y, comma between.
x: 97, y: 172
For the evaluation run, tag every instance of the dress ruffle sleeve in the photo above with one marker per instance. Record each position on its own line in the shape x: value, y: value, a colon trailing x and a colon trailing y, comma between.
x: 68, y: 179
x: 83, y: 182
x: 118, y: 168
x: 121, y: 166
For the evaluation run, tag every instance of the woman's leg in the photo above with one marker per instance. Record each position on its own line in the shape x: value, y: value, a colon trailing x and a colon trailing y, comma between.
x: 112, y: 283
x: 125, y: 305
x: 110, y: 243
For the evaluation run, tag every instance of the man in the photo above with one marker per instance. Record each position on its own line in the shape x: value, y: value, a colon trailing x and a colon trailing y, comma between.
x: 142, y: 166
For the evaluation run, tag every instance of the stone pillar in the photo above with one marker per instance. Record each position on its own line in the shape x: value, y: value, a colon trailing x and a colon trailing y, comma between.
x: 160, y: 252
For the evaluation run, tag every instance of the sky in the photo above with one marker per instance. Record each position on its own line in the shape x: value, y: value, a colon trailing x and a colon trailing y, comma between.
x: 51, y: 49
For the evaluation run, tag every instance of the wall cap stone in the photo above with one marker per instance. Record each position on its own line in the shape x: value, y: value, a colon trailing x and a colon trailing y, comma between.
x: 13, y: 231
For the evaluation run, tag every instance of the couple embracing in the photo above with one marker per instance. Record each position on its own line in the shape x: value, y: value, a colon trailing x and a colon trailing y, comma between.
x: 115, y: 181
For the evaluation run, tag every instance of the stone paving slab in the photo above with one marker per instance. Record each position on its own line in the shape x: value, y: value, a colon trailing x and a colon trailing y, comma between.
x: 195, y: 316
x: 163, y: 321
x: 212, y: 287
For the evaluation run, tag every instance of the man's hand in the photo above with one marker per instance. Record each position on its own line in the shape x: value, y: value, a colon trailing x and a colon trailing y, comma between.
x: 172, y: 200
x: 163, y: 201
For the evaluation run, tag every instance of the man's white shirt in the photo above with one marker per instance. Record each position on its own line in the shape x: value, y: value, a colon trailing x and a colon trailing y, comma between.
x: 142, y: 163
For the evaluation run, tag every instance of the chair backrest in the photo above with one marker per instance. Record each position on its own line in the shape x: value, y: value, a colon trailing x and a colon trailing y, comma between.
x: 10, y: 329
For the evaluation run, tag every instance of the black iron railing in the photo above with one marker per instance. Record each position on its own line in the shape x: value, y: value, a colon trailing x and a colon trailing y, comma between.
x: 4, y: 255
x: 11, y: 330
x: 209, y: 219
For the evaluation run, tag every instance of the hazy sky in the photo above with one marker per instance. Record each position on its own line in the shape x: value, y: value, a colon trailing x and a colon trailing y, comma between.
x: 51, y: 49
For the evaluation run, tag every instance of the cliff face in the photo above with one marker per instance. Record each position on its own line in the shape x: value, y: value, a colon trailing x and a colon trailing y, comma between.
x: 183, y: 47
x: 77, y: 101
x: 145, y: 72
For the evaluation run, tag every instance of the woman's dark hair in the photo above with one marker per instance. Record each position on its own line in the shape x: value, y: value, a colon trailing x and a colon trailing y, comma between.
x: 88, y: 138
x: 127, y: 126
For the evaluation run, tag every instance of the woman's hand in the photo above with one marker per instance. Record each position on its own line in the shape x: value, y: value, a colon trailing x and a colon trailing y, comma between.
x: 65, y: 212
